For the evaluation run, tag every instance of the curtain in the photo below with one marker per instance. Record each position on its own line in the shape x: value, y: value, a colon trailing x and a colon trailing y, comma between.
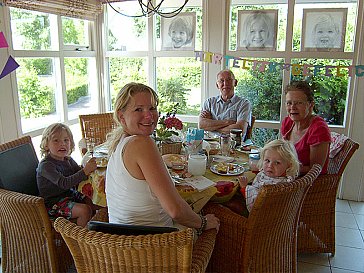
x: 82, y: 9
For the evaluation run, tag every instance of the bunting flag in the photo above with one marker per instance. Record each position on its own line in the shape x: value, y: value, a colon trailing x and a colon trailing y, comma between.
x: 11, y: 64
x: 9, y: 67
x: 296, y: 69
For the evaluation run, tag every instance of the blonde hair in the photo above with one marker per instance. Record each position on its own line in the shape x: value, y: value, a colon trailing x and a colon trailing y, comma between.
x: 287, y: 151
x: 49, y: 132
x: 121, y: 102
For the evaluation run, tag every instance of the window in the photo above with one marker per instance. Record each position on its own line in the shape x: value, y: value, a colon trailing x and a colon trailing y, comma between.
x: 56, y: 80
x: 264, y: 88
x: 135, y: 53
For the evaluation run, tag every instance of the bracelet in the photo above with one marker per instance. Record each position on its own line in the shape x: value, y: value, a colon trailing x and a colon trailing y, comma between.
x: 203, y: 225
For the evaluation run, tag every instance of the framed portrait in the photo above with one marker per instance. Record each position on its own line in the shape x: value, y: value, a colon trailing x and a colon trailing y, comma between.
x: 178, y: 33
x: 323, y: 29
x: 257, y: 29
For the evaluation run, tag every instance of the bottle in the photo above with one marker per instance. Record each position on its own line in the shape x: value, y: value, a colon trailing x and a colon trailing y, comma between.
x: 225, y: 145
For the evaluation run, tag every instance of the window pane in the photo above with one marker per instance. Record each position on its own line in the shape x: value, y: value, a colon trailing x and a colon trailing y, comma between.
x: 179, y: 80
x: 330, y: 92
x: 126, y: 33
x: 75, y: 32
x: 36, y: 89
x: 80, y: 86
x: 32, y: 30
x: 262, y: 89
x: 125, y: 70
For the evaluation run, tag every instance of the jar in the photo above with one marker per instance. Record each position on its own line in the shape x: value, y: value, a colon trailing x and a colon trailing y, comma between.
x: 197, y: 164
x: 225, y: 144
x: 235, y: 135
x: 253, y: 162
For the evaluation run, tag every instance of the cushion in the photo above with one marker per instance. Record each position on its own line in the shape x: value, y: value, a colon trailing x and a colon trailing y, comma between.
x: 18, y: 169
x: 121, y: 229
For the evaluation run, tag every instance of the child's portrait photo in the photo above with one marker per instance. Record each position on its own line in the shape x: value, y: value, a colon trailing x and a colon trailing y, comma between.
x: 178, y: 33
x: 323, y: 29
x: 257, y: 29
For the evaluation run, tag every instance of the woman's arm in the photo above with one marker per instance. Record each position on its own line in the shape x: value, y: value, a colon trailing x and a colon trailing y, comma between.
x: 318, y: 155
x: 145, y: 162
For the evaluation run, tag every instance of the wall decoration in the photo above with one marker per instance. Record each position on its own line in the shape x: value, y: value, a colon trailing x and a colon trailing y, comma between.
x: 11, y: 64
x: 307, y: 70
x: 178, y: 33
x: 323, y: 29
x: 257, y: 29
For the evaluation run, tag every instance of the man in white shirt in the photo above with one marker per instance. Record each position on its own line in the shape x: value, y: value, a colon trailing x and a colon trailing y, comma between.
x: 226, y: 111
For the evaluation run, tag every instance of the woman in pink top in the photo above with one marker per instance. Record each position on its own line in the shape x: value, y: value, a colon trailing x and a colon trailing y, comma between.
x: 309, y: 133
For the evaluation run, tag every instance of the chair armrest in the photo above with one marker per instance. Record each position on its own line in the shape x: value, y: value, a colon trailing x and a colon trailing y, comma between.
x: 230, y: 238
x: 202, y: 250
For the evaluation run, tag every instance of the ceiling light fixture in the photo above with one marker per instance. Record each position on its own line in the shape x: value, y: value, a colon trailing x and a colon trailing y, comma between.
x: 148, y: 8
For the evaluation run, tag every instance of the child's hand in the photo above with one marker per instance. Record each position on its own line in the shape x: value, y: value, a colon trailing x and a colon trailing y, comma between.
x: 243, y: 181
x: 90, y: 166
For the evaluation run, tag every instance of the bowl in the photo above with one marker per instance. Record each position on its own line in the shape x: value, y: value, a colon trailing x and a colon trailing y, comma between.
x: 225, y: 198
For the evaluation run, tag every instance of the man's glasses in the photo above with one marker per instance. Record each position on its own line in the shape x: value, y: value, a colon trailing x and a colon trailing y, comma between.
x: 221, y: 81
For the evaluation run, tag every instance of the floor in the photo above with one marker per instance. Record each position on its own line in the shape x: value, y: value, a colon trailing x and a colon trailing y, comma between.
x: 349, y: 257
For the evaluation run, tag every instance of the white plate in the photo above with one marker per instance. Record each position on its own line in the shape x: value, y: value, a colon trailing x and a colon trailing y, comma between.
x: 221, y: 158
x: 238, y: 169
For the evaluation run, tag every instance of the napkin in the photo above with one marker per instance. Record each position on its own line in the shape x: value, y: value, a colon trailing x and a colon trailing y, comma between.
x: 200, y: 183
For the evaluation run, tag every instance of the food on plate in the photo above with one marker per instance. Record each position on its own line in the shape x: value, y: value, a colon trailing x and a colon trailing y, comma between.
x: 224, y: 188
x: 174, y: 159
x: 224, y: 168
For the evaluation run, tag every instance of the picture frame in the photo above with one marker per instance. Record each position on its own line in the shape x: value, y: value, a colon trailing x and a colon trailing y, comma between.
x: 257, y: 30
x: 179, y: 32
x: 323, y: 29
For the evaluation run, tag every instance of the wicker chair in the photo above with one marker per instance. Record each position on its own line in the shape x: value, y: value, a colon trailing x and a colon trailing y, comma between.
x: 29, y: 243
x: 95, y: 127
x: 266, y: 240
x: 316, y: 232
x: 96, y: 252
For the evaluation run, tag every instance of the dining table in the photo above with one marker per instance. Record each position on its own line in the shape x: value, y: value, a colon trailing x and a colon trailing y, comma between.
x: 94, y: 186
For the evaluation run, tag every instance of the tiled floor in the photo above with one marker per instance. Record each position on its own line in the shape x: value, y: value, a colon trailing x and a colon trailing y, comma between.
x: 349, y: 255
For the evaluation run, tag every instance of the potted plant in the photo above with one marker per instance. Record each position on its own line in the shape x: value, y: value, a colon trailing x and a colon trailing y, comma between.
x: 167, y: 133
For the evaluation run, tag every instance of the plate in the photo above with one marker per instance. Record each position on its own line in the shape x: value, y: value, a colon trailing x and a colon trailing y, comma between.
x: 236, y: 169
x: 170, y: 159
x: 221, y: 158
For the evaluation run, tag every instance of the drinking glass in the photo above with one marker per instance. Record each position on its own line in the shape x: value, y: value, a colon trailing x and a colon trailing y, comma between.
x: 197, y: 164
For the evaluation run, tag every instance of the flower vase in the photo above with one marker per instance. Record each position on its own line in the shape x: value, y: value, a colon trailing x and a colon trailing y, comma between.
x: 170, y: 148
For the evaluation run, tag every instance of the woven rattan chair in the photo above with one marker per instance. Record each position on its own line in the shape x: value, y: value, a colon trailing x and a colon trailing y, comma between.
x: 95, y: 127
x: 29, y: 243
x: 266, y: 240
x: 96, y: 252
x: 316, y: 232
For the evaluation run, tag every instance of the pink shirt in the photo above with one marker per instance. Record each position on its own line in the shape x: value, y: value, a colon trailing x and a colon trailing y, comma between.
x: 318, y: 132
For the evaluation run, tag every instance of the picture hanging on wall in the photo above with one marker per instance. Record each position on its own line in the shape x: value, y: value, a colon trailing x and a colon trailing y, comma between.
x: 178, y: 33
x: 257, y: 29
x: 323, y: 29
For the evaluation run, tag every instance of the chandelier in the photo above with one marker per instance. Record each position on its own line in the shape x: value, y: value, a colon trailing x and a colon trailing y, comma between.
x: 150, y: 7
